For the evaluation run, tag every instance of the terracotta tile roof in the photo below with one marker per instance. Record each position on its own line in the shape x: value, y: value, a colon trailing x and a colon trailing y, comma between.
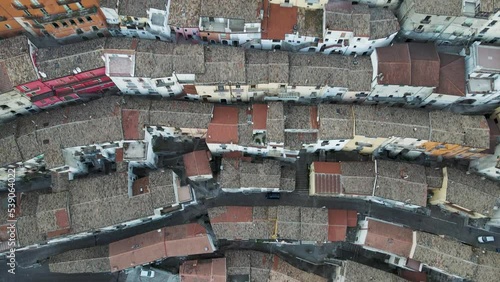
x: 389, y: 238
x: 425, y: 64
x: 327, y: 167
x: 197, y: 163
x: 278, y: 21
x: 213, y: 270
x: 180, y: 240
x: 451, y: 75
x: 338, y: 221
x: 259, y: 116
x: 224, y: 125
x: 394, y: 64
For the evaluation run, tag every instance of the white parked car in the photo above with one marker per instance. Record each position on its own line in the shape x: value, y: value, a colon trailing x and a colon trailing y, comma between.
x: 147, y: 273
x: 485, y: 239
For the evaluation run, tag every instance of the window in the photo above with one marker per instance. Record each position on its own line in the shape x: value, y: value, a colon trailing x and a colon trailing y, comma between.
x: 64, y: 24
x: 253, y: 86
x: 72, y: 22
x: 448, y: 18
x: 342, y: 34
x: 492, y: 23
x: 359, y: 39
x: 27, y: 13
x: 55, y: 25
x: 426, y: 20
x: 46, y: 141
x: 80, y: 20
x: 8, y: 26
x: 44, y: 11
x: 95, y: 28
x: 4, y: 107
x: 89, y: 19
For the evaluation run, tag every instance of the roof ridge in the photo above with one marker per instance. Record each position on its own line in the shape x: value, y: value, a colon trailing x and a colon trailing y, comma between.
x: 74, y: 55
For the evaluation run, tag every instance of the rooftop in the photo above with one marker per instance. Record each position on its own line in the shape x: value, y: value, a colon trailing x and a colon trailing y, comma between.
x: 237, y: 173
x: 184, y: 13
x: 247, y: 10
x: 389, y: 238
x: 60, y: 61
x: 401, y: 182
x: 88, y: 260
x: 278, y: 21
x: 73, y: 210
x: 213, y: 270
x: 259, y: 266
x: 443, y: 8
x: 139, y: 8
x: 463, y: 190
x: 451, y: 75
x: 416, y: 64
x: 357, y: 272
x: 456, y: 258
x: 179, y: 240
x: 294, y: 223
x: 16, y: 66
x: 363, y: 21
x: 488, y: 56
x: 197, y: 163
x: 223, y: 64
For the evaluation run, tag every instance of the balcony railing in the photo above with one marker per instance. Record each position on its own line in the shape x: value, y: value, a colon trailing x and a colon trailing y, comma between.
x: 65, y: 2
x: 70, y: 14
x: 37, y: 6
x: 20, y: 7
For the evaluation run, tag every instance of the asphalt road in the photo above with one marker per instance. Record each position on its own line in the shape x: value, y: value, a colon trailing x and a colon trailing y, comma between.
x: 438, y: 223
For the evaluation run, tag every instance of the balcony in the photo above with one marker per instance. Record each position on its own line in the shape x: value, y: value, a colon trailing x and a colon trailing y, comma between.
x: 37, y: 6
x: 71, y: 14
x: 65, y: 2
x: 20, y: 7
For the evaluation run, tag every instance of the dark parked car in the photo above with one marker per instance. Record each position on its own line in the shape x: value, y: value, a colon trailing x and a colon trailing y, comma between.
x: 273, y: 195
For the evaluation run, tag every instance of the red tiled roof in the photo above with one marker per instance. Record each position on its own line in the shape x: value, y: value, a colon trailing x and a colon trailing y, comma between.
x: 181, y: 240
x: 213, y: 270
x: 451, y: 75
x: 425, y: 64
x: 62, y: 218
x: 352, y: 218
x: 235, y: 214
x: 314, y: 117
x: 337, y: 217
x: 130, y: 124
x: 389, y: 237
x: 259, y: 116
x: 224, y: 125
x: 413, y: 276
x: 394, y: 64
x: 143, y: 183
x: 190, y: 89
x: 327, y: 167
x: 327, y: 178
x: 119, y: 155
x: 336, y: 233
x: 197, y: 163
x: 278, y: 21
